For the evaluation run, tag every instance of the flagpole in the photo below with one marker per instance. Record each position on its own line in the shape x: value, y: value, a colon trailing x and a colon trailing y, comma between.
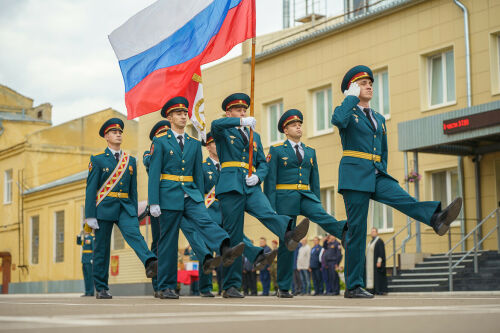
x: 252, y: 103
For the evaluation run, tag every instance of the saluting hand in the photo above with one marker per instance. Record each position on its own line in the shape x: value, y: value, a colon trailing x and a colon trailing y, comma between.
x: 249, y: 121
x: 353, y: 90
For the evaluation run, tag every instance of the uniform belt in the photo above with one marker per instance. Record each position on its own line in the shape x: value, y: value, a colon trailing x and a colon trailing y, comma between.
x: 119, y: 195
x: 363, y: 155
x: 292, y: 187
x: 87, y: 251
x: 176, y: 178
x: 235, y: 164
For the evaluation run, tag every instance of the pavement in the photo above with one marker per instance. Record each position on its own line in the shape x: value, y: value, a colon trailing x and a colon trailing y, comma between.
x: 423, y: 312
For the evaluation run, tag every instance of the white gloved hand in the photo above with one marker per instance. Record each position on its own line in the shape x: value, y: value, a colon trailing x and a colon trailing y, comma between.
x: 92, y: 222
x: 155, y: 210
x: 353, y: 90
x: 252, y: 180
x: 249, y: 121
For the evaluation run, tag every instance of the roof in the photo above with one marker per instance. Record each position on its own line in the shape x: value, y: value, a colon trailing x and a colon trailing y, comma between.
x: 59, y: 182
x: 427, y: 135
x: 373, y: 12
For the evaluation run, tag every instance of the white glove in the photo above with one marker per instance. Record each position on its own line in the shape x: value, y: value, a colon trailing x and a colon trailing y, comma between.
x: 155, y: 210
x: 249, y: 121
x: 92, y: 222
x: 353, y: 90
x: 252, y: 180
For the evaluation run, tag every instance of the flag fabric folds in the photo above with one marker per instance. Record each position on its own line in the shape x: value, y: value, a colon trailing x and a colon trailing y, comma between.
x: 161, y: 49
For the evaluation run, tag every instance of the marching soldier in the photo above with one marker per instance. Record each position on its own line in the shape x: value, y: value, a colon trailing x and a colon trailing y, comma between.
x: 202, y: 252
x: 86, y: 240
x: 111, y: 197
x: 211, y: 172
x: 237, y: 192
x: 175, y: 192
x: 363, y: 176
x: 292, y: 186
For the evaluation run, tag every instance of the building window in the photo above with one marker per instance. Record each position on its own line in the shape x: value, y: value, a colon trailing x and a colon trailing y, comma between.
x: 441, y: 78
x: 7, y: 188
x: 274, y: 112
x: 322, y: 110
x: 59, y: 236
x: 328, y: 203
x: 498, y: 55
x: 380, y: 217
x: 357, y: 7
x: 118, y: 241
x: 445, y: 187
x: 380, y: 100
x: 35, y: 238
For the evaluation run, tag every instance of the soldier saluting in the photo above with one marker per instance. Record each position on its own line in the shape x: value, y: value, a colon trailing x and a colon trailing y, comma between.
x: 363, y: 176
x: 111, y: 197
x: 293, y: 188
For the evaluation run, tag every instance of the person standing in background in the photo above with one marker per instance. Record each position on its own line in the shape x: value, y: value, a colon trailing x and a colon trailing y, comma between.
x: 315, y: 267
x: 86, y: 240
x: 376, y: 279
x: 303, y: 260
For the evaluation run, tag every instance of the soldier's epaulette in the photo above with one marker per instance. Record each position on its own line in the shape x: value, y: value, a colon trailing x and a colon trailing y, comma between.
x: 278, y: 144
x: 190, y: 137
x: 161, y: 134
x: 204, y: 162
x: 98, y: 154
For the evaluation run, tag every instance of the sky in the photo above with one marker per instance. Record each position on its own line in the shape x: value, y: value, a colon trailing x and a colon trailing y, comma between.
x: 58, y: 52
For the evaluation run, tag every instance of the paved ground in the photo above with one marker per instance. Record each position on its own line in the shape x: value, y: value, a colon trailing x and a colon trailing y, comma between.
x: 433, y: 312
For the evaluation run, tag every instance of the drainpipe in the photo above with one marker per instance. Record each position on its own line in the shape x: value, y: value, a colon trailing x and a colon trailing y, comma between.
x: 1, y: 127
x: 469, y: 104
x: 417, y: 196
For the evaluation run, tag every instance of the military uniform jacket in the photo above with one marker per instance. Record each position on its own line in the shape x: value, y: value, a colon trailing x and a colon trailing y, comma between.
x: 284, y: 168
x: 357, y: 134
x: 87, y: 244
x: 100, y: 168
x: 231, y: 148
x: 211, y: 176
x: 167, y: 158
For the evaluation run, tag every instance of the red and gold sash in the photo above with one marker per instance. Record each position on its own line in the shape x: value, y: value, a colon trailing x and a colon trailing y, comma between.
x: 210, y: 197
x: 113, y: 179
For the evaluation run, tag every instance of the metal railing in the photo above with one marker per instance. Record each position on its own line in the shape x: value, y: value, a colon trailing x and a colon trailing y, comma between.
x: 403, y: 244
x: 477, y: 244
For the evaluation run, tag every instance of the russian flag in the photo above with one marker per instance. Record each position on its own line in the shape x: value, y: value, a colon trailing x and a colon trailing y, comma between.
x: 161, y: 48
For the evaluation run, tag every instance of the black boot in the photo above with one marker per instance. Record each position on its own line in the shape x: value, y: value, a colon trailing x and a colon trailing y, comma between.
x: 103, y: 294
x: 293, y: 237
x: 441, y: 221
x: 357, y: 292
x: 229, y: 254
x: 232, y: 292
x: 211, y: 263
x: 284, y: 294
x: 168, y: 294
x: 264, y: 259
x: 151, y: 268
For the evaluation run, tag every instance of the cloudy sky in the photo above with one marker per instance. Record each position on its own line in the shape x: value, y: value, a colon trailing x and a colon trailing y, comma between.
x: 57, y: 51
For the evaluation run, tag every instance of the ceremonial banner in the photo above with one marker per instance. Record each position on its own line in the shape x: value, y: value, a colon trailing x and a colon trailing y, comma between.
x: 161, y: 48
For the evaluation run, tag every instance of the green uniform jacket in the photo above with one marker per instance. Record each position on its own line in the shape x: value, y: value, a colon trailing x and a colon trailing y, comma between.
x: 167, y: 158
x: 100, y: 168
x: 87, y: 244
x: 358, y: 135
x: 231, y: 147
x: 284, y: 168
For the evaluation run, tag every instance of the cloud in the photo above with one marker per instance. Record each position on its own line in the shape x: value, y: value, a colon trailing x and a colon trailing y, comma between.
x: 58, y: 52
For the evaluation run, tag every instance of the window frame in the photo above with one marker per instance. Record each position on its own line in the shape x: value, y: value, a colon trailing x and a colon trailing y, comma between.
x: 385, y: 212
x: 380, y: 107
x: 329, y: 127
x: 7, y: 187
x: 280, y: 110
x: 56, y: 242
x: 442, y: 55
x: 31, y: 240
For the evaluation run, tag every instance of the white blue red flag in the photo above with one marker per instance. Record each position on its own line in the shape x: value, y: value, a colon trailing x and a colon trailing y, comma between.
x: 161, y: 48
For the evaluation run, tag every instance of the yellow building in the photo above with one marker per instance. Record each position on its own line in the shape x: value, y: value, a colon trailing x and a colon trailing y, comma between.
x: 418, y: 54
x: 44, y: 169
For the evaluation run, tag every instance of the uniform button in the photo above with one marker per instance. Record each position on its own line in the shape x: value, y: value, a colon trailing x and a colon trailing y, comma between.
x: 182, y: 169
x: 300, y: 181
x: 120, y: 190
x: 182, y: 183
x: 183, y: 161
x: 300, y: 174
x: 300, y: 167
x: 374, y: 136
x: 121, y: 183
x: 374, y: 148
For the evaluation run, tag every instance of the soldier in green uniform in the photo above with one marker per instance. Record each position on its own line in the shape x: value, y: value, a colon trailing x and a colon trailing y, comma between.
x: 293, y: 188
x: 202, y: 252
x: 111, y: 197
x: 363, y: 176
x: 86, y: 240
x: 238, y: 192
x: 175, y: 192
x: 211, y: 172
